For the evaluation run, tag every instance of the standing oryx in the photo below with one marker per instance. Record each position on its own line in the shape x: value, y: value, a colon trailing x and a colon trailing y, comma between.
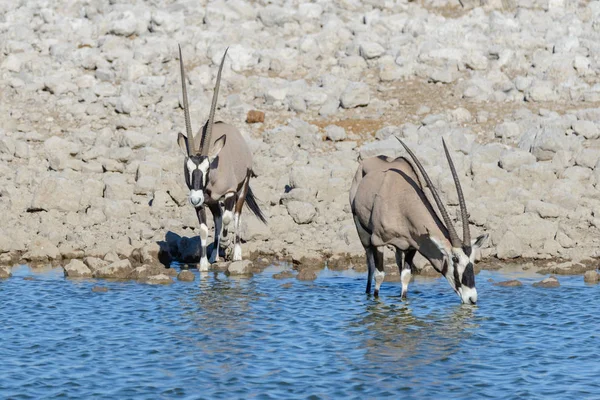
x: 217, y: 170
x: 391, y: 208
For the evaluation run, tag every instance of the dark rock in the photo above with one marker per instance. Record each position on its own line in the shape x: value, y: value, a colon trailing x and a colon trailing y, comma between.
x: 255, y: 116
x: 283, y: 275
x: 186, y: 276
x: 99, y: 289
x: 511, y: 283
x: 550, y: 282
x: 306, y: 275
x: 5, y: 272
x: 286, y: 285
x: 591, y: 277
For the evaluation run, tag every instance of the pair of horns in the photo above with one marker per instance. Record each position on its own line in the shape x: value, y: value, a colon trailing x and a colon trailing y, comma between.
x: 205, y: 140
x: 454, y: 239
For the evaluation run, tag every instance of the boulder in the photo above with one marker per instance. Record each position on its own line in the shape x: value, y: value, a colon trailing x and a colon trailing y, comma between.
x: 57, y: 193
x: 306, y: 275
x: 5, y: 272
x: 356, y: 94
x: 301, y: 212
x: 591, y: 277
x: 77, y: 269
x: 550, y: 282
x: 243, y: 267
x: 121, y: 269
x: 186, y: 276
x: 161, y: 279
x: 283, y: 275
x: 41, y: 249
x: 511, y: 283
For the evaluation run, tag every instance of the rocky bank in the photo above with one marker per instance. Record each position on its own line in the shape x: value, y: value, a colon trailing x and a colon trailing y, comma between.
x: 91, y: 106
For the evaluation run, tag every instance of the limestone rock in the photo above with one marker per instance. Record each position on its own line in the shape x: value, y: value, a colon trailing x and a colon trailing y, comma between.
x: 186, y: 276
x: 117, y: 270
x: 591, y: 277
x: 550, y: 282
x: 77, y: 269
x: 243, y: 267
x: 511, y: 283
x: 306, y: 275
x: 161, y: 279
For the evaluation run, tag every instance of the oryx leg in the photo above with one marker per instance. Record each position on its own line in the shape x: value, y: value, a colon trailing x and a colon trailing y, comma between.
x: 379, y: 270
x: 228, y: 205
x: 404, y: 260
x: 217, y: 213
x: 370, y: 266
x: 201, y: 213
x: 237, y: 218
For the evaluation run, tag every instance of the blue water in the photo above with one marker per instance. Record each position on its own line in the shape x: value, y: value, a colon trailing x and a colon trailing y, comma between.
x: 221, y: 337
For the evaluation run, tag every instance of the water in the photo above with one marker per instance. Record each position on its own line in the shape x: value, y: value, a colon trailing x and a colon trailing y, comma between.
x: 221, y: 337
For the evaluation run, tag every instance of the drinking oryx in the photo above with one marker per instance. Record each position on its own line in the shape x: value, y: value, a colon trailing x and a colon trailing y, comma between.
x: 217, y: 170
x: 391, y: 208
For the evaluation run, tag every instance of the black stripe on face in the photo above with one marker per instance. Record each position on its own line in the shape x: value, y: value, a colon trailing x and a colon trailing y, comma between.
x: 186, y: 173
x: 197, y: 180
x: 468, y: 278
x: 456, y: 278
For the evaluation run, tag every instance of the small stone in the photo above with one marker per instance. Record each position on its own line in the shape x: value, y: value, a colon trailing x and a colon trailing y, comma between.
x: 335, y: 133
x: 301, y: 212
x: 283, y: 275
x: 99, y: 289
x: 5, y: 272
x: 77, y: 269
x: 356, y: 94
x: 306, y: 275
x: 186, y: 276
x: 511, y: 283
x: 370, y: 50
x: 243, y: 267
x: 286, y: 285
x: 550, y: 282
x: 591, y: 277
x: 255, y: 116
x: 161, y: 279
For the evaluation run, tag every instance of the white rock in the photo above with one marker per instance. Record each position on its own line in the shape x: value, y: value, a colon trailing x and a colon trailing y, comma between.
x: 356, y: 94
x: 513, y: 159
x: 587, y: 129
x: 370, y: 50
x: 335, y: 133
x: 77, y: 269
x: 302, y: 213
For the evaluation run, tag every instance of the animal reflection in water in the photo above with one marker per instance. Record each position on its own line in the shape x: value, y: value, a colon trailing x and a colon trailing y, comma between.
x: 390, y: 207
x: 398, y: 334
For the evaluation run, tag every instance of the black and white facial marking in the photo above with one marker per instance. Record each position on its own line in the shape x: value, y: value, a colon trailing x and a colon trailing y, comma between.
x: 458, y: 269
x: 196, y: 170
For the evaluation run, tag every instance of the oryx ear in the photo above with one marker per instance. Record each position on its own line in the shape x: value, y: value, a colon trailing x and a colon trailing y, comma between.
x: 478, y: 243
x: 216, y: 148
x: 183, y: 144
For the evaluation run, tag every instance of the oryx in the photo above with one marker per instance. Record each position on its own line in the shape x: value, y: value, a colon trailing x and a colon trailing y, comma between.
x: 217, y: 170
x: 390, y: 208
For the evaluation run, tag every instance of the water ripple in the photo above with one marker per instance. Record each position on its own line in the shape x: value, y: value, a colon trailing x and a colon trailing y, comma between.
x: 253, y: 338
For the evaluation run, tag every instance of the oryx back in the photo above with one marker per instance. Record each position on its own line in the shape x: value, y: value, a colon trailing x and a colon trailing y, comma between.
x: 232, y: 166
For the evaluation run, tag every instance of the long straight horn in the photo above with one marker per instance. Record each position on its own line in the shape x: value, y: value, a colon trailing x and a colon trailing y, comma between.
x: 461, y: 200
x: 454, y: 240
x: 186, y: 108
x: 206, y: 138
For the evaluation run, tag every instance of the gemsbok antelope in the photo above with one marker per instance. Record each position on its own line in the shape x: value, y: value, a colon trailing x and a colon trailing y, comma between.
x: 217, y: 171
x: 390, y: 208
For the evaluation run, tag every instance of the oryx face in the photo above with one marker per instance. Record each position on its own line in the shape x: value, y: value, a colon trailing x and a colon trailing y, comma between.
x: 460, y: 273
x: 196, y: 170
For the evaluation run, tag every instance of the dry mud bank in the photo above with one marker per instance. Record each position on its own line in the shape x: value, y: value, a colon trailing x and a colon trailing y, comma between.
x: 90, y: 98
